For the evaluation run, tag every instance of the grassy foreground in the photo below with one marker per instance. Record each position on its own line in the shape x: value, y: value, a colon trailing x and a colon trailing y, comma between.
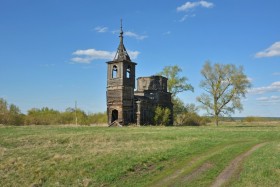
x: 136, y: 156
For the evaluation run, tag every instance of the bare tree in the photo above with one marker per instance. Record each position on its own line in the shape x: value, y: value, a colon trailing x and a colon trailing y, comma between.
x: 224, y: 85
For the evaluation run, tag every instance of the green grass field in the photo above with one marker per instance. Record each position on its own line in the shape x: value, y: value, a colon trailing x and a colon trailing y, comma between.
x: 137, y: 156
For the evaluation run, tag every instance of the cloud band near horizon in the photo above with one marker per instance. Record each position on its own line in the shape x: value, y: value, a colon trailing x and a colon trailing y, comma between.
x: 87, y: 56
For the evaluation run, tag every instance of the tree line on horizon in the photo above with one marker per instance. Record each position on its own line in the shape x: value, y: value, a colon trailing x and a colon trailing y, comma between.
x: 10, y: 114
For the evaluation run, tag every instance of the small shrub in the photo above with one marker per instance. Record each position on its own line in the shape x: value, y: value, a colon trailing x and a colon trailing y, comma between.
x: 253, y: 119
x: 10, y: 114
x: 98, y: 118
x: 190, y: 119
x: 162, y: 116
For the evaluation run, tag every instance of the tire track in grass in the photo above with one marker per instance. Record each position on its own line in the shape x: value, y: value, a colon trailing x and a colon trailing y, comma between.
x: 232, y: 168
x: 193, y: 175
x: 183, y: 174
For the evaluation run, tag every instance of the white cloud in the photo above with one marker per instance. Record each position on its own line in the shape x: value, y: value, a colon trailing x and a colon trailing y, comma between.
x: 126, y: 33
x: 89, y: 55
x: 134, y: 35
x: 273, y: 50
x: 187, y: 6
x: 274, y: 87
x: 186, y: 16
x: 133, y: 54
x: 95, y: 54
x: 83, y: 60
x: 206, y: 4
x: 191, y: 5
x: 101, y: 29
x: 271, y: 99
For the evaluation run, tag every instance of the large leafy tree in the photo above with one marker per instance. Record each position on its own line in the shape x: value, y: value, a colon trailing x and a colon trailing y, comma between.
x: 176, y: 83
x: 225, y: 85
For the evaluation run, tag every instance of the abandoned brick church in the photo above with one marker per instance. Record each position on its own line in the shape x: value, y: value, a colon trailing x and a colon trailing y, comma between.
x: 128, y: 106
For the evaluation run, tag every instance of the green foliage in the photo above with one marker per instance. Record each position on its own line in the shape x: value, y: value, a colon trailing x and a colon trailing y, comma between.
x: 69, y: 117
x: 3, y: 111
x: 162, y: 116
x: 190, y: 119
x: 186, y: 114
x: 176, y: 83
x: 10, y: 114
x: 15, y: 116
x: 224, y: 85
x: 44, y: 116
x: 98, y: 118
x: 70, y: 114
x: 178, y: 106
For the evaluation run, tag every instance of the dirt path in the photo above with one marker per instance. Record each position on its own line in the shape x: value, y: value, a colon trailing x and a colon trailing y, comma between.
x: 225, y: 175
x: 168, y: 181
x: 179, y: 173
x: 229, y: 171
x: 197, y: 172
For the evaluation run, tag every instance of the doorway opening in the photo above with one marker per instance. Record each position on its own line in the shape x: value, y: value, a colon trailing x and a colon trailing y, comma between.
x: 114, y: 115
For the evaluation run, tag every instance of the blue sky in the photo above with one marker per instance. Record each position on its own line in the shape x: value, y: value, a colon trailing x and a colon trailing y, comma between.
x: 54, y: 52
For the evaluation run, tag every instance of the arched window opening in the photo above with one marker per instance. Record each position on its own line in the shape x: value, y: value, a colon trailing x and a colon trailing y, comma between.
x: 128, y: 72
x: 115, y: 72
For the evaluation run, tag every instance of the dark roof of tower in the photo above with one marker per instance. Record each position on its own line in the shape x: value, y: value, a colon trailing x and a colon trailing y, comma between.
x: 121, y: 54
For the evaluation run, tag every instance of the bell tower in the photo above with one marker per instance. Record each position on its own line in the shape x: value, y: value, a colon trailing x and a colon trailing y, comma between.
x: 120, y: 87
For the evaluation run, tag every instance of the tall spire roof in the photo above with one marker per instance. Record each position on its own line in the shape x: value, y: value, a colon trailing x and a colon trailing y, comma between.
x: 121, y: 53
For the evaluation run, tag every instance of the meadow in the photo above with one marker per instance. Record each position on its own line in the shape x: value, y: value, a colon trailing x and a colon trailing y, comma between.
x: 138, y: 156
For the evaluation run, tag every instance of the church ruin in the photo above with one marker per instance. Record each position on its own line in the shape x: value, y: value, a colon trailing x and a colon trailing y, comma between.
x: 128, y: 106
